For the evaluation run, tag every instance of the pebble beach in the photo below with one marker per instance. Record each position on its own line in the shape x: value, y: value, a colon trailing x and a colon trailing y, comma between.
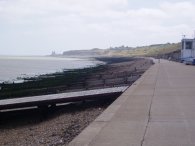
x: 60, y: 125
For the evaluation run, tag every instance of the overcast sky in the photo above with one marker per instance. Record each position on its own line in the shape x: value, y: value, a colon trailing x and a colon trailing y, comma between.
x: 36, y: 27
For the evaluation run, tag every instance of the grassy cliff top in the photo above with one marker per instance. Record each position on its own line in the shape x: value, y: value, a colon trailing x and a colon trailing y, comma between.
x: 152, y: 50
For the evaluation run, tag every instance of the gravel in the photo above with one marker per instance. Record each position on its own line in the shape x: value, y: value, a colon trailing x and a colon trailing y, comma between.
x: 54, y: 127
x: 57, y: 126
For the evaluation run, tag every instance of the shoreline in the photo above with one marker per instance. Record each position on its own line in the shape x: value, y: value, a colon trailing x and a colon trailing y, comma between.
x: 58, y: 126
x: 71, y: 80
x: 15, y: 68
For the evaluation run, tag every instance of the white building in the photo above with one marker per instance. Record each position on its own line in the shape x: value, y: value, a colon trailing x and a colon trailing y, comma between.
x: 188, y: 50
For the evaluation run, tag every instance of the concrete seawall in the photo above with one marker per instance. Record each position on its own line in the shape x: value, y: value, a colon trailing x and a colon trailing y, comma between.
x: 157, y: 110
x: 125, y: 120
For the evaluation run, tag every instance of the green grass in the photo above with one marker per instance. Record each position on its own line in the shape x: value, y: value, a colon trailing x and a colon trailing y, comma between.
x: 152, y: 50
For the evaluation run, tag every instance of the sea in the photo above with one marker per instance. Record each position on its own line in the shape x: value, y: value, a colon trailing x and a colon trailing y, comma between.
x: 14, y: 68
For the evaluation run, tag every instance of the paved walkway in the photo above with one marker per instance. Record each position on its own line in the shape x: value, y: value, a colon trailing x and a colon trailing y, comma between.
x: 158, y: 110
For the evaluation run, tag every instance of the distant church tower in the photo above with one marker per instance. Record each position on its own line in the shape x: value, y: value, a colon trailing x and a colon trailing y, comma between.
x: 53, y: 53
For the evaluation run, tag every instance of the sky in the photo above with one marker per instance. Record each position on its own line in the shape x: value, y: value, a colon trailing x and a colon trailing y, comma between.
x: 38, y: 27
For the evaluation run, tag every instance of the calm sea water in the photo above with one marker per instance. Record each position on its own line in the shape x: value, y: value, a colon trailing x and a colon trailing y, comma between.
x: 13, y: 67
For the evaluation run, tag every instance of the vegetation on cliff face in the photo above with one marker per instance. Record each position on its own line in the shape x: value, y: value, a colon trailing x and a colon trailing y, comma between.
x: 152, y: 50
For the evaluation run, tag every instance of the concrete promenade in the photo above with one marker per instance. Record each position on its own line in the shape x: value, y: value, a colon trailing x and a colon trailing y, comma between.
x: 157, y: 110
